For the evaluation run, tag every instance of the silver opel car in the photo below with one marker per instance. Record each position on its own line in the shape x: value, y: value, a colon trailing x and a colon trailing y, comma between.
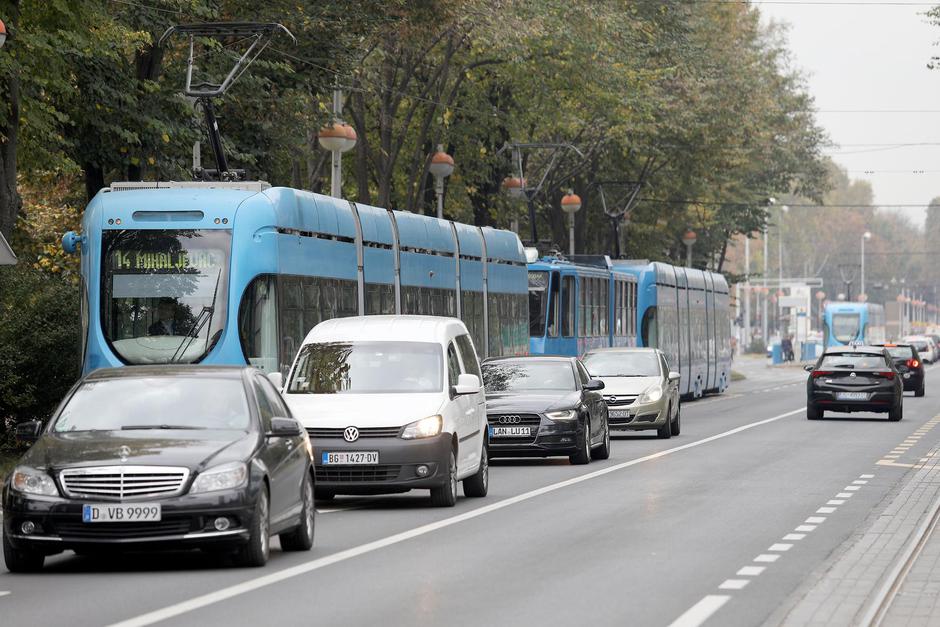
x: 640, y: 390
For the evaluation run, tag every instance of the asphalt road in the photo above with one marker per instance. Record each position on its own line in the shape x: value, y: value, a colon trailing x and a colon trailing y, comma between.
x: 658, y: 532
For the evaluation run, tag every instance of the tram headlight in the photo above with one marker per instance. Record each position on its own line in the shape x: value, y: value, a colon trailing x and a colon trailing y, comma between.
x: 652, y: 394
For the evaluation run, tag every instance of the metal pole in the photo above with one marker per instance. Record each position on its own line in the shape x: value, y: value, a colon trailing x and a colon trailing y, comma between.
x: 747, y: 291
x: 764, y: 320
x: 439, y: 190
x: 688, y: 255
x: 780, y: 277
x: 533, y: 227
x: 336, y: 174
x: 862, y: 290
x: 571, y: 234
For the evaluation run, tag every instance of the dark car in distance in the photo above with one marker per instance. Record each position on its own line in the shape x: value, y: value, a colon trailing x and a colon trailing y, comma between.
x: 545, y: 406
x: 907, y: 355
x: 853, y: 379
x: 162, y: 457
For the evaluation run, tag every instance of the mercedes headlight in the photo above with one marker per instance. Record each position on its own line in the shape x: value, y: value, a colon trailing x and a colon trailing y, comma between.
x: 567, y: 414
x: 424, y: 428
x: 652, y: 394
x: 30, y: 481
x: 224, y: 477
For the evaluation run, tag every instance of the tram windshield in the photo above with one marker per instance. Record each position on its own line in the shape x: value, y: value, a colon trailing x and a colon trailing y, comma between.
x: 163, y: 293
x: 845, y: 327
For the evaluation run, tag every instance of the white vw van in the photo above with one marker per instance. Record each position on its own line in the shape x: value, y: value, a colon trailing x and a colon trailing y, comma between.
x: 392, y: 403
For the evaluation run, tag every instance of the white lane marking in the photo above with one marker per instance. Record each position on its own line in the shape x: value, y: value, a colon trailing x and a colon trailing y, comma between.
x: 859, y: 482
x: 767, y: 557
x: 825, y: 510
x: 733, y: 584
x: 851, y: 488
x: 805, y: 528
x: 815, y: 520
x: 835, y: 502
x: 701, y: 611
x: 780, y: 547
x: 751, y: 571
x: 211, y: 598
x: 866, y: 476
x: 844, y: 495
x: 794, y: 536
x: 3, y: 593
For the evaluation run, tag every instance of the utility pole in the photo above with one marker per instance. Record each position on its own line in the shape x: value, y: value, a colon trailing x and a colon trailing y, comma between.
x: 747, y: 292
x: 764, y: 320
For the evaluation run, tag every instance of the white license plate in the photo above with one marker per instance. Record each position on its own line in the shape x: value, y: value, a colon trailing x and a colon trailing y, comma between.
x: 510, y: 432
x: 851, y: 396
x: 351, y: 458
x: 619, y: 413
x: 120, y: 512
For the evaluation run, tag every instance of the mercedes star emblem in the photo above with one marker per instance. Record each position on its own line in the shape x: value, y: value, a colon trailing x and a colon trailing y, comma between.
x: 351, y: 434
x: 124, y: 452
x: 852, y: 375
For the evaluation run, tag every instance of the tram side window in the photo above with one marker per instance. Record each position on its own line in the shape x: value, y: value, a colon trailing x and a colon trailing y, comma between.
x: 428, y: 301
x: 257, y: 324
x: 507, y: 324
x: 603, y: 305
x: 568, y: 304
x: 471, y: 310
x: 554, y: 311
x: 582, y: 307
x: 380, y: 298
x: 303, y: 303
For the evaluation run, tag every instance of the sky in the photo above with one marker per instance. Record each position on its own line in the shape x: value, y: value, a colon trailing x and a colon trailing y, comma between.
x: 872, y: 55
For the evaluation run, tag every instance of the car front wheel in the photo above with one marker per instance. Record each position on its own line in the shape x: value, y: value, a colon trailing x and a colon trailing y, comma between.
x: 478, y: 483
x: 583, y: 456
x: 21, y: 560
x: 446, y: 495
x: 256, y: 551
x: 301, y: 538
x: 603, y: 451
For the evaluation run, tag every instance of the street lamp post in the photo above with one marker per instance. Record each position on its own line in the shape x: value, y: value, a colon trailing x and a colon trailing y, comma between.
x: 820, y: 298
x: 338, y: 138
x: 570, y: 204
x: 865, y: 236
x: 514, y: 187
x: 3, y: 33
x: 689, y: 240
x: 442, y: 166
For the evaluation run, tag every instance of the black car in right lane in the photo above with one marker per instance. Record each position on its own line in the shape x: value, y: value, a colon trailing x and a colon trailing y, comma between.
x: 545, y: 406
x: 907, y: 355
x: 851, y: 379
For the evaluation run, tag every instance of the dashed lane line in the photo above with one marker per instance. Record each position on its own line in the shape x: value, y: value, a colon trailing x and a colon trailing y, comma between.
x: 701, y: 611
x: 250, y: 585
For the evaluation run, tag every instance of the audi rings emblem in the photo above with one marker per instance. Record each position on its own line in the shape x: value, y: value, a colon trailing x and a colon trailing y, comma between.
x: 510, y: 420
x: 351, y: 434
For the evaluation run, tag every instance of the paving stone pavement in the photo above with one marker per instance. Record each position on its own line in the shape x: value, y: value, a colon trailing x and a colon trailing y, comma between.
x: 844, y: 592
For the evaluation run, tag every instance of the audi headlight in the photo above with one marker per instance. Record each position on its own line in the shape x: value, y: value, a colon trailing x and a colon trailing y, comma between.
x: 567, y: 414
x: 224, y: 477
x: 652, y: 394
x: 31, y: 481
x: 424, y: 428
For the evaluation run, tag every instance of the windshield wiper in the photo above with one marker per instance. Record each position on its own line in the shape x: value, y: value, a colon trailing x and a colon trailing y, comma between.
x: 205, y: 315
x: 163, y: 426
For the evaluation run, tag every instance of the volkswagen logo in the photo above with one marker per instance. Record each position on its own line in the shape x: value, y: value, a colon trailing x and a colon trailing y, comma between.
x: 351, y: 434
x: 124, y: 452
x: 510, y: 420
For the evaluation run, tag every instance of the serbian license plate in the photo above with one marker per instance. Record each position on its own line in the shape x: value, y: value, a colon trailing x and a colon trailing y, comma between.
x: 851, y: 396
x: 618, y: 413
x: 120, y: 512
x: 351, y: 458
x: 510, y: 432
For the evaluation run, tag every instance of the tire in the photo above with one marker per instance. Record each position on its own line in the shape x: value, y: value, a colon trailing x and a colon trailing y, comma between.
x: 21, y: 560
x: 255, y: 552
x: 896, y: 413
x: 675, y: 427
x: 813, y: 412
x: 324, y: 495
x: 478, y: 484
x: 583, y: 456
x: 603, y: 451
x: 301, y: 538
x: 446, y: 495
x: 665, y: 431
x: 921, y: 391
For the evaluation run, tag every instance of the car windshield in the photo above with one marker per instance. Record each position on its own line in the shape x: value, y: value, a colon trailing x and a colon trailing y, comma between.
x: 901, y: 352
x: 622, y: 364
x: 845, y: 327
x: 528, y: 377
x: 156, y: 403
x: 368, y: 368
x: 164, y: 293
x: 853, y: 361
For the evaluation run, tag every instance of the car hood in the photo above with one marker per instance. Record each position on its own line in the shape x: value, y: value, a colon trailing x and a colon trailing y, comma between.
x: 362, y: 410
x: 627, y: 386
x: 171, y: 447
x: 531, y: 403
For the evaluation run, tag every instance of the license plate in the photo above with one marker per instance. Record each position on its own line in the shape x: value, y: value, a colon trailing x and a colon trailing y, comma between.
x: 618, y: 413
x: 851, y: 396
x: 120, y: 512
x: 510, y: 432
x: 351, y: 458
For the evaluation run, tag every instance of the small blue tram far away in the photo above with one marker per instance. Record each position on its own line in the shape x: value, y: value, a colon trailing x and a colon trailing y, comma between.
x: 846, y: 322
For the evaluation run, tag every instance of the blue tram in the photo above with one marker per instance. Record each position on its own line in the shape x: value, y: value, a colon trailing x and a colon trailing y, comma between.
x: 846, y: 322
x: 592, y: 301
x: 236, y: 273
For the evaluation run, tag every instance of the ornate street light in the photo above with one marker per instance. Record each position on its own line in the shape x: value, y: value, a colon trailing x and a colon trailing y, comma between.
x: 3, y: 33
x: 338, y: 138
x: 570, y: 204
x: 442, y: 166
x: 689, y: 240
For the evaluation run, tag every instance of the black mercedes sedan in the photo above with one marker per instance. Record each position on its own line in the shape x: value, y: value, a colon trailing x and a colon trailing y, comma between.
x: 162, y: 457
x: 852, y: 379
x: 545, y: 406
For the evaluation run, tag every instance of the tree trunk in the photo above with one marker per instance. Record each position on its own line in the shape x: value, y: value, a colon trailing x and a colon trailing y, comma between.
x: 94, y: 179
x: 10, y: 201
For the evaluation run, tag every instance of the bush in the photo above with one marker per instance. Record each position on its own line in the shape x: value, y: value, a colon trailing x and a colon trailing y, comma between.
x: 39, y: 344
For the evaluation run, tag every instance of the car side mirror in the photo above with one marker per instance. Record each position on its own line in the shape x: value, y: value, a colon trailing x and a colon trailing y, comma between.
x: 284, y: 427
x: 28, y: 431
x: 674, y: 376
x: 277, y: 379
x: 809, y: 368
x: 594, y: 385
x: 466, y: 384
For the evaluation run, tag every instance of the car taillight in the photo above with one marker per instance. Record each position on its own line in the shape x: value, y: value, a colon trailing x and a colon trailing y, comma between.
x: 887, y: 374
x: 913, y: 363
x: 820, y: 373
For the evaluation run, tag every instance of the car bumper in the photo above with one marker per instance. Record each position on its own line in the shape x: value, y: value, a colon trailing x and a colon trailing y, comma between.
x: 641, y: 416
x: 877, y: 402
x: 186, y: 521
x: 552, y: 438
x: 914, y: 381
x: 397, y: 470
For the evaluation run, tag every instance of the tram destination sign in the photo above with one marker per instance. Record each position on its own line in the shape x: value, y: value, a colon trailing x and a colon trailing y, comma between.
x: 538, y: 281
x: 180, y: 260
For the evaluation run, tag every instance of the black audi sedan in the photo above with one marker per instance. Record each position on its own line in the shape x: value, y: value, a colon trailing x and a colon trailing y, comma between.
x: 852, y: 379
x: 162, y: 457
x: 907, y: 355
x: 545, y: 406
